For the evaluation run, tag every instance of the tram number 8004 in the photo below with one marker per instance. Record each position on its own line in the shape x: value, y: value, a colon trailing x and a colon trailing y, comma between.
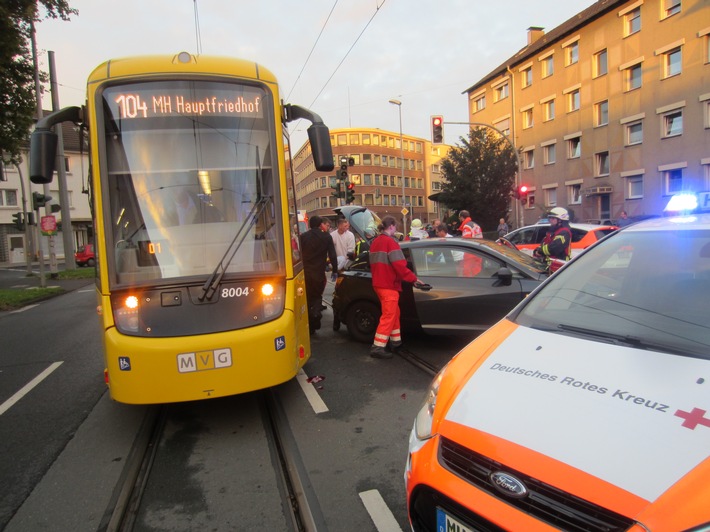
x: 239, y: 291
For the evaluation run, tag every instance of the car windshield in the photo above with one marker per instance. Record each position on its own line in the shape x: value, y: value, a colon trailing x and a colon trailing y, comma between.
x: 365, y: 222
x: 515, y: 255
x: 643, y: 289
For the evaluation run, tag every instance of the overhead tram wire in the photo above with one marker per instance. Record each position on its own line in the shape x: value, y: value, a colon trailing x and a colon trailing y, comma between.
x: 311, y: 52
x: 377, y: 10
x: 198, y: 35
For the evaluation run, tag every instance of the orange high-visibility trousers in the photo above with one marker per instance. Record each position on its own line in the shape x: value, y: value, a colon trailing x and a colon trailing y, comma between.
x: 388, y: 328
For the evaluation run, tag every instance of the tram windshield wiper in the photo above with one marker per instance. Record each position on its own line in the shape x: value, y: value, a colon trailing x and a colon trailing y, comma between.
x: 214, y: 280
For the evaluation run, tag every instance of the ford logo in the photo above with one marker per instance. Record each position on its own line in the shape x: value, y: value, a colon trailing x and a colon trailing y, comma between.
x: 508, y: 485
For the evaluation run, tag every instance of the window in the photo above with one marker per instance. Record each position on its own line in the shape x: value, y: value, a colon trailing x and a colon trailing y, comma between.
x: 673, y: 181
x: 601, y: 113
x: 526, y: 77
x: 528, y: 159
x: 601, y: 163
x: 672, y: 63
x: 549, y: 154
x: 8, y: 197
x: 572, y: 54
x: 527, y: 118
x: 503, y: 126
x: 574, y: 194
x: 550, y: 197
x: 548, y: 66
x: 548, y: 108
x: 500, y: 92
x: 633, y: 77
x: 574, y: 147
x: 670, y: 7
x: 479, y: 104
x: 573, y: 101
x: 632, y: 21
x: 634, y: 186
x: 672, y: 124
x: 634, y: 133
x: 601, y: 65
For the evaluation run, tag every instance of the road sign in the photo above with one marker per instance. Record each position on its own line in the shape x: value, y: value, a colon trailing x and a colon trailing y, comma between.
x: 405, y: 212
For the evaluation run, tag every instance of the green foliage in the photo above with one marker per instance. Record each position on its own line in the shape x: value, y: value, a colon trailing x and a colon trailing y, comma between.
x: 17, y: 79
x: 479, y: 176
x: 13, y: 298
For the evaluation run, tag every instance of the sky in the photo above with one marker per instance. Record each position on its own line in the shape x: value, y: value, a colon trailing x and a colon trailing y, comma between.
x: 343, y: 59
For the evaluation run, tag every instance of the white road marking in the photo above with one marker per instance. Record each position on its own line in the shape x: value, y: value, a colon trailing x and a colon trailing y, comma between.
x: 311, y: 394
x: 87, y: 290
x: 28, y: 307
x: 379, y: 511
x: 27, y: 388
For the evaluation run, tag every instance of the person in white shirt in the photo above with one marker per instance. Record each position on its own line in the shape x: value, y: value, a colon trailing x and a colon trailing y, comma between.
x: 344, y: 242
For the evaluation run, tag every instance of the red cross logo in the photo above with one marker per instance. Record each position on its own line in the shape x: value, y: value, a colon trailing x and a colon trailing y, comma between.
x: 693, y: 418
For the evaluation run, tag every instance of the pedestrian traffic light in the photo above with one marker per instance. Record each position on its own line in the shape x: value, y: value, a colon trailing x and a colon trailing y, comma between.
x: 350, y: 193
x: 437, y: 129
x: 39, y: 200
x: 19, y: 221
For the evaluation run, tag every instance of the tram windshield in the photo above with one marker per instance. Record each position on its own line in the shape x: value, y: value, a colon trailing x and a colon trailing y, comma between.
x: 191, y: 180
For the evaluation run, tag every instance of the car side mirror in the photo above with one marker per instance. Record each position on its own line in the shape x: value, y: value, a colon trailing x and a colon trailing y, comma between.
x: 505, y: 276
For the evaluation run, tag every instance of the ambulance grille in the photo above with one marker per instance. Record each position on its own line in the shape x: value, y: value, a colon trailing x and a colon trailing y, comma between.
x: 545, y: 502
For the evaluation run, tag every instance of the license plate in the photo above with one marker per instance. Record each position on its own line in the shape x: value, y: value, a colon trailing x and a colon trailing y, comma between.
x: 446, y: 523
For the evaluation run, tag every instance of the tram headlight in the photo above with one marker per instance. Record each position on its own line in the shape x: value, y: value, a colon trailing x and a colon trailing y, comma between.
x: 127, y: 316
x: 272, y: 299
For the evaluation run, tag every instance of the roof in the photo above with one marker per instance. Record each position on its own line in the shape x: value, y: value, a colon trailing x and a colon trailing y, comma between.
x: 568, y: 27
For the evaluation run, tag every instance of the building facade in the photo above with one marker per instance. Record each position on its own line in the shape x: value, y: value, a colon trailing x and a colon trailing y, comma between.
x: 16, y: 196
x: 611, y: 109
x: 376, y: 174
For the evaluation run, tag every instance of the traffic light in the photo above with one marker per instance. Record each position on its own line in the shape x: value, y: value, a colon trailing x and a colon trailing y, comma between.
x: 19, y: 221
x: 523, y: 194
x: 437, y: 129
x: 350, y: 193
x: 55, y: 207
x: 336, y: 187
x: 39, y: 200
x: 343, y: 174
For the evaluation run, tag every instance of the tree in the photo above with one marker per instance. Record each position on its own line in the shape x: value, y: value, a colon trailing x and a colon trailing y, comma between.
x: 479, y: 176
x: 18, y: 101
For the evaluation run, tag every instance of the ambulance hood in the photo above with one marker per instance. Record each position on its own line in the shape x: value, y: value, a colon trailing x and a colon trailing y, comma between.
x: 637, y: 419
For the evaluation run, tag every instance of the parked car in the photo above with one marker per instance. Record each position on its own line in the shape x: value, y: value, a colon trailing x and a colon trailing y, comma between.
x: 600, y: 221
x: 528, y: 238
x: 455, y: 304
x: 85, y: 256
x: 587, y: 407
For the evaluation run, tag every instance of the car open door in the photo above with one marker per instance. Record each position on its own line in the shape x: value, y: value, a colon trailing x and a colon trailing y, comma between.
x: 471, y: 290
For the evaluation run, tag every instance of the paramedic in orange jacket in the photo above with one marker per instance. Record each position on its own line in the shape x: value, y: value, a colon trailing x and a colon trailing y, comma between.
x: 472, y: 264
x: 389, y: 269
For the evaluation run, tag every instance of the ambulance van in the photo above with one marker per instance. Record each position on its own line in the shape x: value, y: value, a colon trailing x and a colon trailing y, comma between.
x: 588, y: 407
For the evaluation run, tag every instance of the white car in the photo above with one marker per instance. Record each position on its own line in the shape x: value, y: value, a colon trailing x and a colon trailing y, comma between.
x: 526, y: 239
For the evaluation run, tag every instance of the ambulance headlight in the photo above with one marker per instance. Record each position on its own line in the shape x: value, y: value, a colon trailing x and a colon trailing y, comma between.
x: 425, y: 417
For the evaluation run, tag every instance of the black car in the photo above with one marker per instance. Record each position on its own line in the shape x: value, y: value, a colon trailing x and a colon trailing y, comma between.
x: 455, y: 304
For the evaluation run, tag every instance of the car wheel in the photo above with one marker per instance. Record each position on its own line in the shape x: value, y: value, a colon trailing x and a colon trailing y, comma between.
x: 90, y: 263
x: 362, y: 320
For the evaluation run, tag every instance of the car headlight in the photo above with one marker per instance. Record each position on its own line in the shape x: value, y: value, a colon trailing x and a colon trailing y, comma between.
x: 425, y: 417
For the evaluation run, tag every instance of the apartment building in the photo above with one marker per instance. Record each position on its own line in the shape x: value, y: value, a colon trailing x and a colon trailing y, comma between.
x: 16, y: 195
x: 376, y: 174
x: 611, y: 109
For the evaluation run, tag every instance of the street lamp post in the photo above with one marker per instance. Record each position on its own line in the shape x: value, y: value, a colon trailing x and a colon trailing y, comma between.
x: 401, y: 147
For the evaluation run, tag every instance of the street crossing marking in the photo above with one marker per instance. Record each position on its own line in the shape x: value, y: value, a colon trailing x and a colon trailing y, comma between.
x: 379, y: 511
x: 27, y: 388
x: 311, y: 394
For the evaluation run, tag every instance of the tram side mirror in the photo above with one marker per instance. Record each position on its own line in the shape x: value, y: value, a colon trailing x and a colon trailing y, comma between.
x: 319, y: 137
x: 43, y: 152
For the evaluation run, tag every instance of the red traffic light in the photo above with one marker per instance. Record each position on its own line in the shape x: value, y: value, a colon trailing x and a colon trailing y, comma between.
x: 523, y: 189
x: 437, y: 129
x: 351, y: 186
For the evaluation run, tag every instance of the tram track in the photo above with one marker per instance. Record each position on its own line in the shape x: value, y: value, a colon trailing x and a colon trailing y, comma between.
x: 300, y: 507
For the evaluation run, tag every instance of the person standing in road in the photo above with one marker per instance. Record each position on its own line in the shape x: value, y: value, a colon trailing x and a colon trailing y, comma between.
x: 503, y: 228
x: 344, y: 242
x: 557, y: 243
x: 469, y: 228
x: 472, y: 264
x: 623, y: 220
x: 389, y: 269
x: 316, y: 247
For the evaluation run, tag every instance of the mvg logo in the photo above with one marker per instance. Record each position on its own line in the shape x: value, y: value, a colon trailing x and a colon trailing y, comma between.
x: 204, y: 360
